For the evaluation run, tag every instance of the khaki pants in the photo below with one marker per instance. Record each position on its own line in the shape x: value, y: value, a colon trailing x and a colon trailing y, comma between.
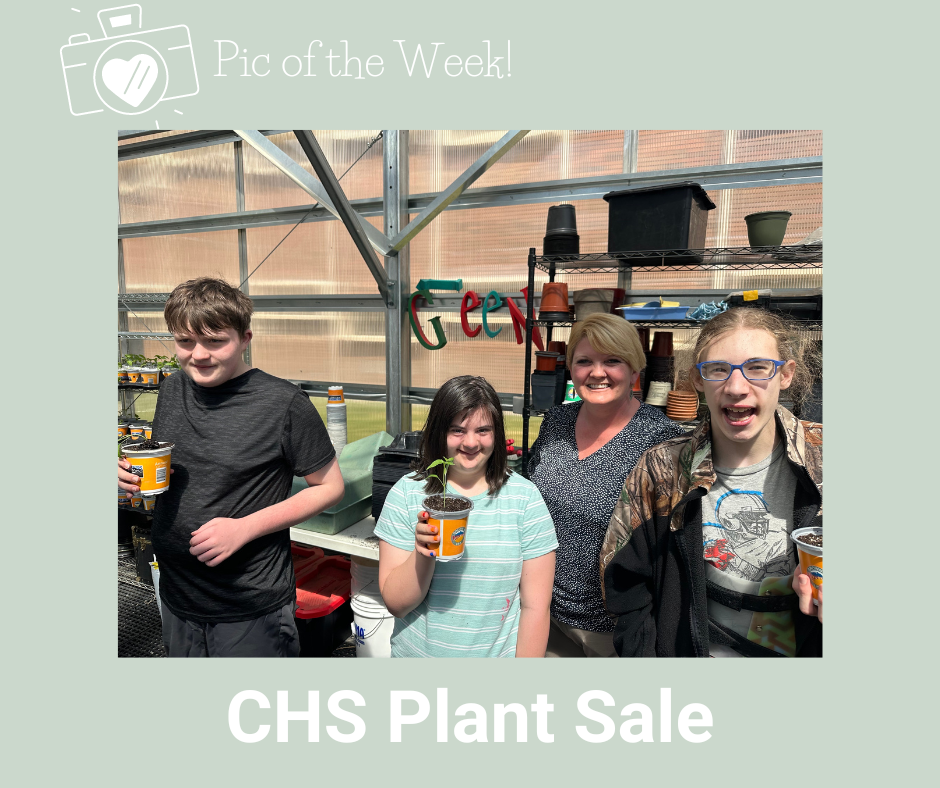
x: 568, y: 641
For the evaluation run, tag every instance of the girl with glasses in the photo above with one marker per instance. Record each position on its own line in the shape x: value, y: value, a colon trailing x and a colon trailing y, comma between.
x: 697, y: 559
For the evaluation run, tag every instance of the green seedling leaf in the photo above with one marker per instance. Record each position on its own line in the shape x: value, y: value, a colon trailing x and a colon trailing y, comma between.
x: 445, y: 463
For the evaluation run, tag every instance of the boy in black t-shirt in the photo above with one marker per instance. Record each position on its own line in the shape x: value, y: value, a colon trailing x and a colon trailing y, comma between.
x: 220, y: 532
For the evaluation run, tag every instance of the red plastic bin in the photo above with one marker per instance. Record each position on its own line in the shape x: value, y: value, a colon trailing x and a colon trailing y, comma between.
x: 323, y: 612
x: 304, y: 556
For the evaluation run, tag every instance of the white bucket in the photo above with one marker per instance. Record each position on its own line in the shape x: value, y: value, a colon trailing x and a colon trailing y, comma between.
x: 364, y: 577
x: 372, y: 626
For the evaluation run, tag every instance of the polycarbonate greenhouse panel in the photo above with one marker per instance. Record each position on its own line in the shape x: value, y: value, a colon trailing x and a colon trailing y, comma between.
x: 340, y: 347
x: 672, y: 150
x: 485, y: 247
x: 437, y: 158
x: 155, y: 136
x: 319, y: 258
x: 267, y: 187
x: 159, y: 263
x: 142, y: 322
x: 500, y: 360
x: 196, y: 182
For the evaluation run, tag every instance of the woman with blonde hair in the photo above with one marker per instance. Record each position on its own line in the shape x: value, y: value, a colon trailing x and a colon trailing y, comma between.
x: 579, y: 462
x: 697, y: 560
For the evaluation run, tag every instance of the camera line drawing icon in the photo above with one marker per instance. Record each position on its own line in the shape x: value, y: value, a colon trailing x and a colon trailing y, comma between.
x: 130, y: 70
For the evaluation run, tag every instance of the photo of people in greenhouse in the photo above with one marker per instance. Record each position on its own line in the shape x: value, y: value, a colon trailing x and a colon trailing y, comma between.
x: 511, y: 393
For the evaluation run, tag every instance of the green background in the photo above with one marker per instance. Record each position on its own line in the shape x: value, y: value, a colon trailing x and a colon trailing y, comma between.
x: 76, y: 713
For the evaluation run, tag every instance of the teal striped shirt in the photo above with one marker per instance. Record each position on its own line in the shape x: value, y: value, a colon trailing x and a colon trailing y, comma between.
x: 472, y: 607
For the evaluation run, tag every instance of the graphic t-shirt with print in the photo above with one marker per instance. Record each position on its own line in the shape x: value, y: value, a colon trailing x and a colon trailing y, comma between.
x: 472, y: 606
x: 746, y: 520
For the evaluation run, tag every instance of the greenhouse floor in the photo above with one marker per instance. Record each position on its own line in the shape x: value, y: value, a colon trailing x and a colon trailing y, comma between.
x: 139, y: 629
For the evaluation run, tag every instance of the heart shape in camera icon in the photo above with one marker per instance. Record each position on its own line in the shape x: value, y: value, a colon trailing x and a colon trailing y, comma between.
x: 130, y: 77
x: 130, y: 80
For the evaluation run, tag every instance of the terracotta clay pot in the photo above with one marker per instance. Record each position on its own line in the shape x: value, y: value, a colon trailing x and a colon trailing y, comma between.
x: 554, y: 304
x: 545, y: 361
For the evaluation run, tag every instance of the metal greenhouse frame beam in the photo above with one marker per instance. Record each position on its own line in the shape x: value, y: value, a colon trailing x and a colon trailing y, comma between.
x: 308, y: 183
x: 354, y: 223
x: 175, y: 142
x: 452, y: 192
x: 781, y: 172
x: 398, y: 269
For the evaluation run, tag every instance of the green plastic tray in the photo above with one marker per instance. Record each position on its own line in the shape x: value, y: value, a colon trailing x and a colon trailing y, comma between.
x: 355, y: 463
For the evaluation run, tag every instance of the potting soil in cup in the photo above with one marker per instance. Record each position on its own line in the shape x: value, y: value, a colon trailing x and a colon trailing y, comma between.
x: 336, y: 418
x: 811, y: 558
x: 151, y: 463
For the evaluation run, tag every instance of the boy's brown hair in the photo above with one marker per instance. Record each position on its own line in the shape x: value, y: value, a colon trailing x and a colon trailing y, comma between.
x: 206, y: 306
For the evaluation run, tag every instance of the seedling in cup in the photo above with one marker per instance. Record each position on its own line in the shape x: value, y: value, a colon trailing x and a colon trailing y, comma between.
x: 450, y: 516
x: 150, y: 460
x: 444, y: 464
x: 808, y: 543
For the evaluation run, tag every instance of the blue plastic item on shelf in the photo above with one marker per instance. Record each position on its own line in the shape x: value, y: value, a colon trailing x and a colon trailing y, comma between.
x: 655, y: 312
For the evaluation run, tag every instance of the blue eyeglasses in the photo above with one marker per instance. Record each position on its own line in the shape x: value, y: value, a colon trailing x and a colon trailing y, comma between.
x: 755, y: 369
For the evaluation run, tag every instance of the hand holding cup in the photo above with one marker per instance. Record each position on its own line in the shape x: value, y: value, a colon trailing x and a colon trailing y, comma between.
x: 426, y: 536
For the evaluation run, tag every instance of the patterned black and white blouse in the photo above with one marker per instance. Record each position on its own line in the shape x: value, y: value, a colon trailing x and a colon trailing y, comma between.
x: 580, y: 495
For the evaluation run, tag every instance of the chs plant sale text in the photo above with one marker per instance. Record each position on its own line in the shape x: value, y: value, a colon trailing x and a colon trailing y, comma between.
x: 255, y: 717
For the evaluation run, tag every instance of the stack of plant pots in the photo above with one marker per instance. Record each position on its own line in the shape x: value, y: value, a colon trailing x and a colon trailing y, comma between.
x: 548, y: 380
x: 390, y: 464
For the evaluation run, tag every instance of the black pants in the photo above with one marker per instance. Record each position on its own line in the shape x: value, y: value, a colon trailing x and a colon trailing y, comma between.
x: 271, y: 635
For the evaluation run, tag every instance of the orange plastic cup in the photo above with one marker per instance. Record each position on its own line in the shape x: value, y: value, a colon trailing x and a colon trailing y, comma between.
x: 452, y: 530
x: 811, y: 559
x: 153, y: 467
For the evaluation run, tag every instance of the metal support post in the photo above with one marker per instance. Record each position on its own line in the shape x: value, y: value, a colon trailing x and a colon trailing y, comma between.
x: 526, y: 387
x: 126, y: 397
x: 398, y: 272
x: 631, y: 140
x: 242, y: 232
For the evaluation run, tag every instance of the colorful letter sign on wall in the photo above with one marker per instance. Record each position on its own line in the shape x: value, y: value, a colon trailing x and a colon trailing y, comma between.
x: 470, y: 302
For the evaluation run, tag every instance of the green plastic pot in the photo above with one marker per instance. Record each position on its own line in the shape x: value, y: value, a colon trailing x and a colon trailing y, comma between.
x: 767, y: 228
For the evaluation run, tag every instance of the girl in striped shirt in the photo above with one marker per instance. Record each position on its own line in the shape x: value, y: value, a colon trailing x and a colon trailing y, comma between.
x: 494, y: 601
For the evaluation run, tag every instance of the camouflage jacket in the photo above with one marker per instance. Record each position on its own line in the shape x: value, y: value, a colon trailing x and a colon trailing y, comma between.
x: 661, y: 501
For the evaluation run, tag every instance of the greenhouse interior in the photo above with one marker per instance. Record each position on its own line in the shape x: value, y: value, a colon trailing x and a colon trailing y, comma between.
x: 381, y: 264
